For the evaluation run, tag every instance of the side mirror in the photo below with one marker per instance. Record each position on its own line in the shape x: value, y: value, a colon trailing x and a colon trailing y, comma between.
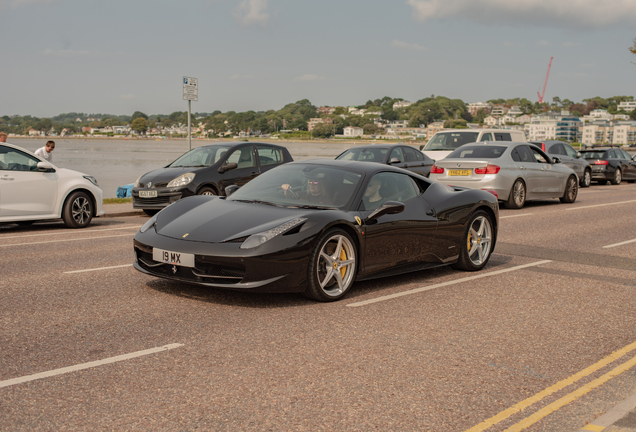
x: 45, y: 167
x: 231, y: 189
x: 394, y: 160
x: 227, y: 167
x: 389, y: 207
x: 556, y: 160
x: 578, y: 155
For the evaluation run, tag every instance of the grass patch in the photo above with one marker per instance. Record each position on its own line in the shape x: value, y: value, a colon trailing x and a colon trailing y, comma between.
x: 117, y: 200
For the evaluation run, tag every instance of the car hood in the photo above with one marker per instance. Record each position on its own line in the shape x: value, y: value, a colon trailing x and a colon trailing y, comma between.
x: 162, y: 176
x: 215, y: 220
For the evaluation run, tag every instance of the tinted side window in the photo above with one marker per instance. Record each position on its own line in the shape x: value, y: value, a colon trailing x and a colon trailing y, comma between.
x: 243, y: 157
x: 14, y: 160
x: 501, y: 136
x: 524, y: 154
x: 392, y: 187
x: 410, y: 154
x: 269, y: 155
x: 557, y: 149
x: 515, y: 156
x: 397, y: 153
x: 625, y: 154
x: 612, y: 154
x: 486, y: 137
x: 570, y: 151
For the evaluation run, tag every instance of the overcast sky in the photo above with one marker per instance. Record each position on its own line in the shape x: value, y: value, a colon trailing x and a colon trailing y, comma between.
x: 120, y: 56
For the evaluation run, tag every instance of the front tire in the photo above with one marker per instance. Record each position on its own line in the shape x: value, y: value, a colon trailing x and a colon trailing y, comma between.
x: 332, y: 266
x: 477, y: 243
x: 78, y: 210
x: 207, y: 191
x: 517, y: 197
x: 618, y: 176
x: 571, y: 191
x: 586, y: 181
x: 151, y: 212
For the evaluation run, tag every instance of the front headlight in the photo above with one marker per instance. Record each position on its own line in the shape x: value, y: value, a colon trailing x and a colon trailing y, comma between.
x: 137, y: 181
x: 182, y: 180
x: 260, y: 238
x: 91, y: 179
x: 149, y: 224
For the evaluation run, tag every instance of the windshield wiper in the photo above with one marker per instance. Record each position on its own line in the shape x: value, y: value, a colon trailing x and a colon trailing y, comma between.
x: 257, y: 202
x: 309, y: 206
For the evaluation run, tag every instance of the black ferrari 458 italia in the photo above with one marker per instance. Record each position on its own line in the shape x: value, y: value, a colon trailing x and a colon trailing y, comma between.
x: 316, y: 227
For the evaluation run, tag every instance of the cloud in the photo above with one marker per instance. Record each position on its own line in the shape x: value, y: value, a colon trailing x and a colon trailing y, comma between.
x: 407, y: 46
x: 582, y: 14
x: 250, y: 12
x: 67, y: 53
x: 127, y: 96
x: 309, y: 77
x: 543, y: 43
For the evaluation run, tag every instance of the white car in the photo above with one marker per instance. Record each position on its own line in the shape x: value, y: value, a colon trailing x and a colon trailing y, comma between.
x: 33, y: 189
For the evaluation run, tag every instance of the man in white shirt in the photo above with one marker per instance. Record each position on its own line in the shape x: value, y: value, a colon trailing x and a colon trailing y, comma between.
x: 46, y: 152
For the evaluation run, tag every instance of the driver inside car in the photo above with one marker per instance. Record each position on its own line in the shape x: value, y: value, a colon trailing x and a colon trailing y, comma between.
x: 315, y: 193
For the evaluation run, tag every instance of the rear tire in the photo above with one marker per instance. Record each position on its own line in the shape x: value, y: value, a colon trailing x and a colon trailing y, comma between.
x: 517, y: 197
x: 586, y: 181
x: 477, y: 243
x: 618, y: 176
x: 571, y: 191
x: 332, y: 266
x: 78, y: 210
x: 151, y: 212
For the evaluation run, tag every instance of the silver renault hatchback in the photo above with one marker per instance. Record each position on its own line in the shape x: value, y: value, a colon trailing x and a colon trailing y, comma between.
x: 515, y: 171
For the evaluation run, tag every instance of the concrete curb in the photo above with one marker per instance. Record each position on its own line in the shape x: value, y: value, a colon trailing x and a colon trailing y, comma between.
x: 124, y: 214
x: 612, y: 416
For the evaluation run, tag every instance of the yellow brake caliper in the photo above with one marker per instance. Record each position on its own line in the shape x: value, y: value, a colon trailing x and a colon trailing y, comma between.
x: 469, y: 241
x: 343, y: 256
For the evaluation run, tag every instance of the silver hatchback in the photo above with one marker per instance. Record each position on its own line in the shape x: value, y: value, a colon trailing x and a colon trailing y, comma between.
x: 515, y: 171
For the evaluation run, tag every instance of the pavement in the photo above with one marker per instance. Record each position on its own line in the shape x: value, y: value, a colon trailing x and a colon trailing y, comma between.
x: 542, y: 339
x: 121, y: 210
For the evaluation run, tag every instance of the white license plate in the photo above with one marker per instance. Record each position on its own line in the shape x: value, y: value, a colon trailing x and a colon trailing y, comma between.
x: 148, y: 194
x: 174, y: 258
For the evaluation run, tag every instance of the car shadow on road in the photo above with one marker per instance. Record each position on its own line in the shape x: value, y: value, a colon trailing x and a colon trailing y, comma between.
x: 267, y: 300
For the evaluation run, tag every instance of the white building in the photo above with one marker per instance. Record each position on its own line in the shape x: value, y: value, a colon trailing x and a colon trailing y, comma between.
x: 491, y: 121
x: 507, y: 119
x: 627, y: 106
x: 402, y: 104
x: 523, y: 119
x: 476, y: 106
x: 352, y: 131
x: 515, y: 111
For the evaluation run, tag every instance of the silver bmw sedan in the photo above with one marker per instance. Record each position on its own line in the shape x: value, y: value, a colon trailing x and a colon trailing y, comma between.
x: 515, y: 171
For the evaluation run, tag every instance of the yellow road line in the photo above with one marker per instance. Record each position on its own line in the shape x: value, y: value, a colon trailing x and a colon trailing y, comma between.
x: 552, y: 389
x: 534, y: 418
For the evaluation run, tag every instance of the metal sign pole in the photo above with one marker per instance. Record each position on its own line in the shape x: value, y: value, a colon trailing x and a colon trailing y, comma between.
x: 190, y: 93
x: 189, y: 128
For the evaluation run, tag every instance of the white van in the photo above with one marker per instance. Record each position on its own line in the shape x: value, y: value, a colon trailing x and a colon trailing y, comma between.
x: 445, y: 142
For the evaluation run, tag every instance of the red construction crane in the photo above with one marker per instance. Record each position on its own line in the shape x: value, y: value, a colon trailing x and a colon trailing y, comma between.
x: 546, y: 82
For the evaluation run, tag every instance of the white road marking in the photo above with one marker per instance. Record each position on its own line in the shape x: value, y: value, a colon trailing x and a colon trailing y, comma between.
x: 519, y: 215
x: 99, y: 268
x: 443, y: 284
x: 619, y: 244
x: 65, y: 370
x: 602, y: 205
x: 66, y: 240
x: 71, y: 232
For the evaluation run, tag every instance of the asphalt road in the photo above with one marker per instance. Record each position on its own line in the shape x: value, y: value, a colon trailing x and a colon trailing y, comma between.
x: 526, y: 344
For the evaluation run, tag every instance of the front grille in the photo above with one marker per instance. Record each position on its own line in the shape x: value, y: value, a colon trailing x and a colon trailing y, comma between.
x: 151, y: 201
x: 202, y: 272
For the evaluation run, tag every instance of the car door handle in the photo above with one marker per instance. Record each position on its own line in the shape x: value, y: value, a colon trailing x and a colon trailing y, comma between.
x: 521, y: 168
x: 6, y: 177
x: 430, y: 212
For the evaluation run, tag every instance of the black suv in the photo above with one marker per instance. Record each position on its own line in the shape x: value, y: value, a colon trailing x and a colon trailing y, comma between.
x: 569, y: 157
x: 206, y: 170
x: 611, y: 164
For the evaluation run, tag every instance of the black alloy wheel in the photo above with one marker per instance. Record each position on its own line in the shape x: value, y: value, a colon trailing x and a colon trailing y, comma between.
x: 78, y: 210
x: 571, y: 191
x: 517, y: 197
x: 332, y: 266
x: 618, y: 176
x: 207, y: 191
x: 477, y: 242
x: 586, y: 181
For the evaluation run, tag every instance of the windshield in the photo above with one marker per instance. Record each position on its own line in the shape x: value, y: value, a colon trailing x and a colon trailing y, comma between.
x: 593, y: 155
x: 451, y: 140
x: 200, y: 157
x: 365, y: 154
x: 477, y: 152
x: 302, y: 185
